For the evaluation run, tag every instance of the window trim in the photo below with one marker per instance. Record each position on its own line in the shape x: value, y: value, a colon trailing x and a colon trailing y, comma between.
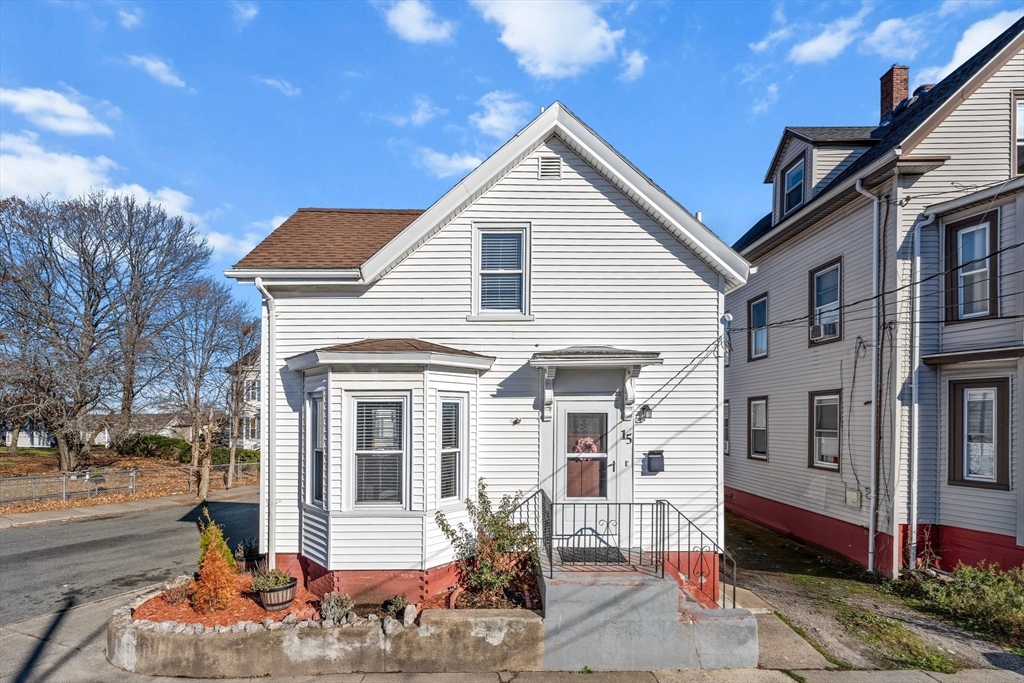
x: 801, y: 159
x: 1017, y: 100
x: 751, y: 400
x: 726, y: 425
x: 406, y: 484
x: 251, y: 391
x: 247, y: 429
x: 479, y: 314
x: 751, y: 329
x: 953, y: 231
x: 811, y: 298
x: 320, y: 396
x: 812, y: 397
x: 954, y: 444
x: 726, y: 339
x: 461, y: 478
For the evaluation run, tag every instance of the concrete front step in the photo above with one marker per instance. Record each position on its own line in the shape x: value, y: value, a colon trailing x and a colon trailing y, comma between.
x: 638, y: 621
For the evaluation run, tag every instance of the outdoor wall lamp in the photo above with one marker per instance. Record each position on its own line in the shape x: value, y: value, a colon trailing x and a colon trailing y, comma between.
x: 643, y: 413
x: 655, y: 461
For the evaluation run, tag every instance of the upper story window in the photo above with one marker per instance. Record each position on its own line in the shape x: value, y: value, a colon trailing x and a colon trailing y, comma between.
x: 970, y: 279
x: 726, y: 339
x: 503, y: 271
x: 757, y: 322
x: 451, y: 447
x: 380, y: 451
x: 793, y: 188
x: 825, y: 313
x: 316, y: 448
x: 979, y: 433
x: 725, y: 428
x: 1018, y: 133
x: 252, y: 429
x: 252, y: 390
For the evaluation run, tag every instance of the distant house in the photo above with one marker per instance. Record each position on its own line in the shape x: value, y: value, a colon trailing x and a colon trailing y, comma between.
x: 30, y: 435
x: 107, y: 427
x: 249, y: 424
x: 877, y: 353
x: 553, y: 325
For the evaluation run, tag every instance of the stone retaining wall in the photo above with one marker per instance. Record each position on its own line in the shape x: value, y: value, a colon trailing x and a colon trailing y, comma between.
x: 444, y: 640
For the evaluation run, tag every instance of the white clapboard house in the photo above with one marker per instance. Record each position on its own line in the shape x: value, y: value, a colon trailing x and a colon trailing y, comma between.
x: 551, y: 325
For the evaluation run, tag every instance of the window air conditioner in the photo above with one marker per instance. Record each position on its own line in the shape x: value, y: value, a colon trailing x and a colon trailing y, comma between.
x: 825, y: 331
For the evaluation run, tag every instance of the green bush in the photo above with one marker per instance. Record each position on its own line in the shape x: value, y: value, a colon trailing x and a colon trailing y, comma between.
x: 221, y: 455
x: 267, y: 581
x: 335, y: 606
x: 983, y: 598
x: 155, y: 446
x: 211, y: 539
x: 395, y: 606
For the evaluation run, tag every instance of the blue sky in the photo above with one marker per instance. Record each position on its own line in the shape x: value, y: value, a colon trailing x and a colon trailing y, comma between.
x: 237, y: 113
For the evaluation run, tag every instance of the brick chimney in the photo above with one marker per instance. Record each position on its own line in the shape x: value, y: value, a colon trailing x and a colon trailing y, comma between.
x: 895, y: 89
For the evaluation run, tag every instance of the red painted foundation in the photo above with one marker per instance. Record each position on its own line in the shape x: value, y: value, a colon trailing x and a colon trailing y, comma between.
x: 696, y: 573
x: 951, y: 545
x: 370, y: 586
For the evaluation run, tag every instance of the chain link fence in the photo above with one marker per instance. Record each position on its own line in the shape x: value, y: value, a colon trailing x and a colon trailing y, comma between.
x: 97, y: 483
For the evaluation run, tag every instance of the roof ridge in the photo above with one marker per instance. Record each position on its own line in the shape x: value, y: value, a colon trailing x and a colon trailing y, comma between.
x: 327, y: 209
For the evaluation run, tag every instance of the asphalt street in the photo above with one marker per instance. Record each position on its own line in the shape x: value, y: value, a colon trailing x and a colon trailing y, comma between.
x: 51, y: 567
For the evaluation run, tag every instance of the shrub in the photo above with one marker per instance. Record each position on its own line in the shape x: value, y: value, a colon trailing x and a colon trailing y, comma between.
x: 216, y: 585
x: 266, y: 581
x: 221, y: 454
x: 335, y: 606
x: 982, y: 598
x: 497, y: 550
x: 395, y: 606
x: 155, y: 446
x: 178, y: 592
x: 212, y: 538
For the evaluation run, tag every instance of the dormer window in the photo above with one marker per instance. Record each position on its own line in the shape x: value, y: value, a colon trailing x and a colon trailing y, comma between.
x: 793, y: 179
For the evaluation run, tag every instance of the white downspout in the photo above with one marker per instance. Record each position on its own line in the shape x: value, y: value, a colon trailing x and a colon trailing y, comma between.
x: 873, y: 496
x: 271, y: 424
x: 915, y: 369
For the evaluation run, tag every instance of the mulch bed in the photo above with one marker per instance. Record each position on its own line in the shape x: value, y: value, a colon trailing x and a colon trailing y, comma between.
x: 513, y: 598
x: 244, y: 607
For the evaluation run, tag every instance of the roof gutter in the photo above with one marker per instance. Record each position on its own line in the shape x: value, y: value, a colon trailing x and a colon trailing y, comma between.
x: 873, y: 496
x: 271, y: 423
x: 296, y: 276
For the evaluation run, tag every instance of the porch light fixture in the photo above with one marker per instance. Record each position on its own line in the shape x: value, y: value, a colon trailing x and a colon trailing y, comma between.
x: 644, y: 413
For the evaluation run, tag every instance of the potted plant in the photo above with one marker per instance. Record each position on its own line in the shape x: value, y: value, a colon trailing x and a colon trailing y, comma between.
x: 276, y: 589
x: 249, y: 558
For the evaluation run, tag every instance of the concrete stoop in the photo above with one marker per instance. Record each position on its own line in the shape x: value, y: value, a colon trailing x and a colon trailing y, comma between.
x: 633, y: 621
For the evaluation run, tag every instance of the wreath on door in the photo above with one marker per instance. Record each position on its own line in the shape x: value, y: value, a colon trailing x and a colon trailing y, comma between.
x: 585, y: 444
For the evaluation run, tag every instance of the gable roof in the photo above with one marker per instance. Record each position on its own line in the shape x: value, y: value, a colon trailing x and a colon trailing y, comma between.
x: 328, y: 238
x: 914, y: 115
x: 555, y: 121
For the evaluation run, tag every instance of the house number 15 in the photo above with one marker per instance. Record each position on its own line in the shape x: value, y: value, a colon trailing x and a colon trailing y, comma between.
x: 627, y: 436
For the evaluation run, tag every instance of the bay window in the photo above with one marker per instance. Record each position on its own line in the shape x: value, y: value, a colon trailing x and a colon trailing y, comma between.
x: 451, y: 448
x: 380, y: 451
x: 315, y: 439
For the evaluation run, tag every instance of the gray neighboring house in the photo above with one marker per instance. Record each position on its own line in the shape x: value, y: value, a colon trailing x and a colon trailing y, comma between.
x: 249, y: 427
x: 877, y: 353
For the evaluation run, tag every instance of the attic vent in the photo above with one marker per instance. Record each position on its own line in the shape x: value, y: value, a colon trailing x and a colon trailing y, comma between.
x: 550, y: 168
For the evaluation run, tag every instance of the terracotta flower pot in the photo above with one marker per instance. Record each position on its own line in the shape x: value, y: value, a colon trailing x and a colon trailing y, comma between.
x: 277, y: 599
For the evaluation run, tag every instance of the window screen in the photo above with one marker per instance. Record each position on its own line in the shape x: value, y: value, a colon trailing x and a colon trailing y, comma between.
x: 826, y: 296
x: 973, y: 275
x: 826, y: 431
x: 758, y: 429
x: 501, y: 271
x: 451, y: 447
x: 794, y: 186
x: 380, y: 450
x: 758, y: 314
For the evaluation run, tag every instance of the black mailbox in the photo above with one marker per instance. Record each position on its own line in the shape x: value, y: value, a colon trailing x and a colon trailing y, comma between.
x: 655, y: 461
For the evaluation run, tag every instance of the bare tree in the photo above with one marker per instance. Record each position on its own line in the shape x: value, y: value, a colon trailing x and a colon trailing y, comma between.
x: 57, y: 271
x: 245, y: 333
x: 197, y: 348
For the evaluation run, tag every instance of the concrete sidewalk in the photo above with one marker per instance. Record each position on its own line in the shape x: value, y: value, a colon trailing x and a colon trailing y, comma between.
x: 113, y: 509
x: 69, y: 647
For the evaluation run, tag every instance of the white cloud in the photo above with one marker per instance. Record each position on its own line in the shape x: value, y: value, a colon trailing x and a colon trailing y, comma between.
x: 552, y: 39
x: 422, y: 112
x: 286, y: 88
x: 226, y: 245
x: 765, y: 102
x: 897, y: 38
x: 503, y: 114
x: 415, y: 21
x: 833, y: 39
x: 633, y: 63
x: 158, y: 69
x: 957, y: 6
x: 977, y: 36
x: 244, y: 12
x: 776, y: 36
x: 26, y: 169
x: 130, y: 20
x: 442, y: 165
x: 53, y: 111
x: 175, y: 202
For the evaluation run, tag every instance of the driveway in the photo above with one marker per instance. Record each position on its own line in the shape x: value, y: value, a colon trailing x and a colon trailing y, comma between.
x: 52, y: 567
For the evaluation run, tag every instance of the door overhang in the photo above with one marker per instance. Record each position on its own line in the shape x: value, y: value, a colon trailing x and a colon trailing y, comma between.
x: 591, y: 357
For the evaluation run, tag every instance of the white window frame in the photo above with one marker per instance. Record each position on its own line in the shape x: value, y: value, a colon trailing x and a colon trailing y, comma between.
x: 820, y: 310
x: 461, y: 478
x: 821, y: 399
x: 252, y: 389
x: 995, y: 435
x: 786, y: 189
x: 252, y: 434
x: 726, y: 420
x: 726, y: 340
x: 980, y: 265
x: 355, y: 398
x: 312, y: 397
x: 480, y: 314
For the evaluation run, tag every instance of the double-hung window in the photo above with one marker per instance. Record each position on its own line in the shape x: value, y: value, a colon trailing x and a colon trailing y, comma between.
x: 316, y: 448
x: 252, y: 428
x: 380, y: 451
x: 979, y: 433
x: 825, y: 313
x: 725, y: 428
x: 503, y: 272
x: 824, y: 437
x: 252, y: 390
x: 793, y: 189
x: 726, y: 340
x: 971, y: 281
x: 757, y: 428
x: 451, y: 447
x: 1018, y: 133
x: 757, y: 322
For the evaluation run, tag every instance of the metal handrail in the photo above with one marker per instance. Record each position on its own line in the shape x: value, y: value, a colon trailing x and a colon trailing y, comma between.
x: 704, y: 544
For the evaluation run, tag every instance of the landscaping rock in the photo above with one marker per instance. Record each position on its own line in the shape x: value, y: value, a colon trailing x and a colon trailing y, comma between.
x: 389, y: 625
x: 351, y: 618
x: 372, y: 619
x: 409, y: 616
x: 164, y: 626
x: 238, y: 627
x: 267, y: 623
x: 252, y: 627
x: 289, y: 620
x: 275, y: 626
x: 220, y: 629
x: 180, y: 628
x: 327, y: 623
x: 198, y: 629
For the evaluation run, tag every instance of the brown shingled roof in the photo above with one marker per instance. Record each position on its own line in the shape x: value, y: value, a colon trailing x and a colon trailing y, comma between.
x: 398, y: 345
x: 328, y: 238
